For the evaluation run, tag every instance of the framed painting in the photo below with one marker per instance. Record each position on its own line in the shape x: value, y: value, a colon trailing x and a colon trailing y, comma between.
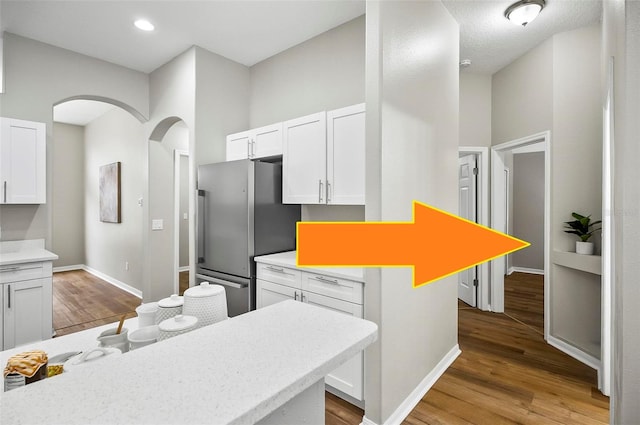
x: 110, y: 193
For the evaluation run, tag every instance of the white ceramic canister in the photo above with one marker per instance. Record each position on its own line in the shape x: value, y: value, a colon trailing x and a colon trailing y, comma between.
x: 146, y: 314
x: 168, y: 308
x: 206, y: 302
x: 176, y: 325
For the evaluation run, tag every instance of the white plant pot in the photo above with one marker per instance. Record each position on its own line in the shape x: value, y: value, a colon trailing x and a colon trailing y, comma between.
x: 585, y: 248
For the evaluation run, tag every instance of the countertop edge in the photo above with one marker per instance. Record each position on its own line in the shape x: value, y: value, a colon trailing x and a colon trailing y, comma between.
x: 287, y: 259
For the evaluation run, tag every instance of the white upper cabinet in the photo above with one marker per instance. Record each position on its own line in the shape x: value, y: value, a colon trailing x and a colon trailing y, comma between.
x: 323, y: 158
x: 258, y: 143
x: 304, y: 157
x: 22, y: 162
x: 345, y: 155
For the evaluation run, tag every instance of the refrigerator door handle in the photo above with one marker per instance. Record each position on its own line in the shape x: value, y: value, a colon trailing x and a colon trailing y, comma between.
x: 200, y: 214
x: 222, y: 282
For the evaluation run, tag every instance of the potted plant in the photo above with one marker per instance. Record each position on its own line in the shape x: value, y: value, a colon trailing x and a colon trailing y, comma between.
x: 584, y: 228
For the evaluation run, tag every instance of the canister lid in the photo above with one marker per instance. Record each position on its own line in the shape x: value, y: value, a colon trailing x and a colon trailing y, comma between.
x: 173, y: 301
x: 205, y: 289
x: 178, y: 323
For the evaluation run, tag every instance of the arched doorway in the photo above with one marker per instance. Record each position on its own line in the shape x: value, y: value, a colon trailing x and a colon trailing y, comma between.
x: 88, y: 133
x: 169, y: 241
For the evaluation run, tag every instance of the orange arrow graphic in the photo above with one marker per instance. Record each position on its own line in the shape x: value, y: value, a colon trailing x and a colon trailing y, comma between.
x: 435, y: 243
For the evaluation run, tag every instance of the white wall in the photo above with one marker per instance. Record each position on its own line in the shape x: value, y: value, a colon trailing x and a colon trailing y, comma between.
x: 184, y: 208
x: 37, y: 76
x: 210, y: 94
x: 558, y: 89
x: 528, y: 209
x: 412, y: 153
x: 324, y: 73
x: 161, y: 168
x: 531, y: 110
x: 68, y: 194
x: 475, y: 109
x: 171, y: 94
x: 115, y: 136
x: 621, y: 40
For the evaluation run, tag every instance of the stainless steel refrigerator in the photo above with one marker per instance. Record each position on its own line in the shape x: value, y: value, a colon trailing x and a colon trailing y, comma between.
x: 240, y: 215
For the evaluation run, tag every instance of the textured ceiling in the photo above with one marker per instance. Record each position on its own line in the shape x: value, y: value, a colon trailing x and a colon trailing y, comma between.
x: 492, y: 42
x: 244, y: 31
x: 250, y: 31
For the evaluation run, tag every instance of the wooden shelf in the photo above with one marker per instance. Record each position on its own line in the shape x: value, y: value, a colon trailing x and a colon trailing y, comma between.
x: 585, y: 263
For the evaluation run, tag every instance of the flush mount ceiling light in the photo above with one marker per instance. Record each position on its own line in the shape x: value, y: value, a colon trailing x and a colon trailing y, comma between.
x: 524, y: 11
x: 144, y: 25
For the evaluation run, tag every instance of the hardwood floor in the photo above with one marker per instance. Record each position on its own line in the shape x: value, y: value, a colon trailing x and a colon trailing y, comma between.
x: 83, y: 301
x: 524, y: 299
x: 506, y: 373
x: 183, y: 282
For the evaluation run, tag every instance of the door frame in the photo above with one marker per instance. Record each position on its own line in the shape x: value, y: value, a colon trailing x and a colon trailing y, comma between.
x: 177, y: 156
x: 498, y: 219
x: 482, y: 216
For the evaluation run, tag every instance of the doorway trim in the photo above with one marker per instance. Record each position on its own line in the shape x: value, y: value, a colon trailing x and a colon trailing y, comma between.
x: 482, y: 154
x: 177, y: 155
x: 498, y: 219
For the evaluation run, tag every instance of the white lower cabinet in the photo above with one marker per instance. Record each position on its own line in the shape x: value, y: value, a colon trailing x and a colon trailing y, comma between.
x: 323, y: 291
x: 26, y: 303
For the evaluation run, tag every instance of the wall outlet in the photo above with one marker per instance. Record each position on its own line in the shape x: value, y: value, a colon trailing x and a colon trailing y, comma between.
x: 185, y: 216
x: 157, y: 224
x: 126, y: 265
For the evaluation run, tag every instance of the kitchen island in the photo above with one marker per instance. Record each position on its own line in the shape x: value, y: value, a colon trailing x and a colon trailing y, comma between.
x: 266, y: 366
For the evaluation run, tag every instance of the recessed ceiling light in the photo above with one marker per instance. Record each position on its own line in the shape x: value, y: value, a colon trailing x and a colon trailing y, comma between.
x: 144, y: 25
x: 524, y: 11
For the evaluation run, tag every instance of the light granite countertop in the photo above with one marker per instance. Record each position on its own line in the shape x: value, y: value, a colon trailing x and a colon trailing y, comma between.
x: 233, y: 372
x: 26, y: 251
x: 288, y: 259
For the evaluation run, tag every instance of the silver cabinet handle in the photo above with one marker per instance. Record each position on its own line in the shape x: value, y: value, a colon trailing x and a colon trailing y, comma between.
x: 295, y: 295
x: 5, y: 191
x: 276, y: 269
x: 302, y: 297
x: 9, y: 296
x: 327, y: 280
x: 328, y: 191
x: 320, y: 191
x: 249, y: 148
x: 253, y: 148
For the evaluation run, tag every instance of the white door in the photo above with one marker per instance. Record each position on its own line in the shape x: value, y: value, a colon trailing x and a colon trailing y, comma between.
x: 238, y: 146
x: 24, y: 313
x: 266, y: 141
x: 345, y: 155
x: 349, y: 377
x: 22, y: 162
x: 467, y: 209
x: 268, y: 293
x: 304, y: 158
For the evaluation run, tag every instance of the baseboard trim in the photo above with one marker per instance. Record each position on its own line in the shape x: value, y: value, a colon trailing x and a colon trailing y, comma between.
x: 114, y: 282
x: 574, y: 352
x: 525, y: 270
x: 409, y: 403
x: 68, y: 268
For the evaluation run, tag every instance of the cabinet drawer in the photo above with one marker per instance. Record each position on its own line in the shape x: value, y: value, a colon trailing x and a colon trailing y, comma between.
x: 342, y: 289
x: 277, y: 274
x: 25, y: 271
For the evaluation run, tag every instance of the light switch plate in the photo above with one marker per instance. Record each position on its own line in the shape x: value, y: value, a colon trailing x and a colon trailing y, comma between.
x: 157, y: 224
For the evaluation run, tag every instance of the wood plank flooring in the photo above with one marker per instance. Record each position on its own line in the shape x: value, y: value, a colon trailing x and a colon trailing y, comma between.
x: 506, y: 373
x: 82, y: 301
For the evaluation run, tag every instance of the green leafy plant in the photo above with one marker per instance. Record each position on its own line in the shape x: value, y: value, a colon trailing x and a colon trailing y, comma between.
x: 581, y: 226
